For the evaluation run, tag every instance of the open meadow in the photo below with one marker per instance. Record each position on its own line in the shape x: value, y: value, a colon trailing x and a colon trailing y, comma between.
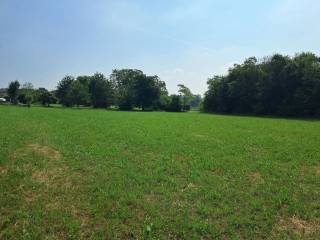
x: 97, y: 174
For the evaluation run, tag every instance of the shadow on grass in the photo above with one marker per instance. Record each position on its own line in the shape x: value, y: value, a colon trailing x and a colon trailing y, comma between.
x: 275, y: 117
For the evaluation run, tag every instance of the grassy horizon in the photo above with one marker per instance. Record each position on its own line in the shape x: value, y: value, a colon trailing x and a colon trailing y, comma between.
x: 96, y: 174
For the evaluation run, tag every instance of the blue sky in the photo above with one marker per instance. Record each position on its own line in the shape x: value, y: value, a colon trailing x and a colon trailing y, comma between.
x: 180, y: 41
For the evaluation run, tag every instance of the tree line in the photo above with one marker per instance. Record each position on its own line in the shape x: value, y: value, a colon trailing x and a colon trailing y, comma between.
x: 276, y: 85
x: 125, y: 89
x: 26, y: 94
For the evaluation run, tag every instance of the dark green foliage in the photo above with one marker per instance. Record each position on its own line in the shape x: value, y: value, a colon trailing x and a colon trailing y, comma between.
x: 162, y: 103
x: 146, y: 91
x: 79, y: 92
x: 13, y: 91
x: 45, y: 97
x: 93, y: 90
x: 22, y: 98
x: 278, y: 85
x: 175, y: 104
x: 63, y: 92
x: 100, y: 90
x: 124, y: 82
x: 127, y: 89
x: 27, y: 94
x: 135, y: 89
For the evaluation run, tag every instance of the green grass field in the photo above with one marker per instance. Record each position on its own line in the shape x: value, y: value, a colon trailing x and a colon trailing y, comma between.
x: 96, y: 174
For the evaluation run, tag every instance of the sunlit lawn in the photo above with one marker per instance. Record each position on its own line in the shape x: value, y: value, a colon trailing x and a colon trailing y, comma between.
x: 97, y: 174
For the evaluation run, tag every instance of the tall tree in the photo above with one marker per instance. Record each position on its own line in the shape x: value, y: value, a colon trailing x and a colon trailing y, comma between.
x: 146, y: 91
x: 124, y: 81
x: 45, y: 97
x: 13, y: 91
x: 63, y: 92
x: 79, y: 92
x: 101, y: 91
x: 186, y: 96
x: 162, y: 101
x: 26, y: 93
x: 175, y: 104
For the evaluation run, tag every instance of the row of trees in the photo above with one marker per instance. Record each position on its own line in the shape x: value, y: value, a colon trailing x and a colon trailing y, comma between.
x: 126, y: 89
x: 27, y: 94
x: 276, y: 85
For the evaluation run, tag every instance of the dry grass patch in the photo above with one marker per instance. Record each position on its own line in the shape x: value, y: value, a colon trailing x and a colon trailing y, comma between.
x: 51, y: 177
x: 317, y: 170
x: 31, y: 196
x: 54, y: 204
x: 297, y: 226
x: 188, y: 187
x: 45, y: 151
x: 217, y: 171
x: 151, y: 197
x: 41, y: 150
x: 87, y: 225
x: 310, y: 170
x: 3, y: 170
x: 256, y: 178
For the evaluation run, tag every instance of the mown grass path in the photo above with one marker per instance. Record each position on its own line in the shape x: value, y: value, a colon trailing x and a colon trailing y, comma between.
x: 95, y: 174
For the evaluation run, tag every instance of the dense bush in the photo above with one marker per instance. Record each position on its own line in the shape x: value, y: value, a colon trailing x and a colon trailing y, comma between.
x: 135, y: 89
x: 45, y: 97
x: 13, y: 91
x: 175, y: 104
x: 277, y: 85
